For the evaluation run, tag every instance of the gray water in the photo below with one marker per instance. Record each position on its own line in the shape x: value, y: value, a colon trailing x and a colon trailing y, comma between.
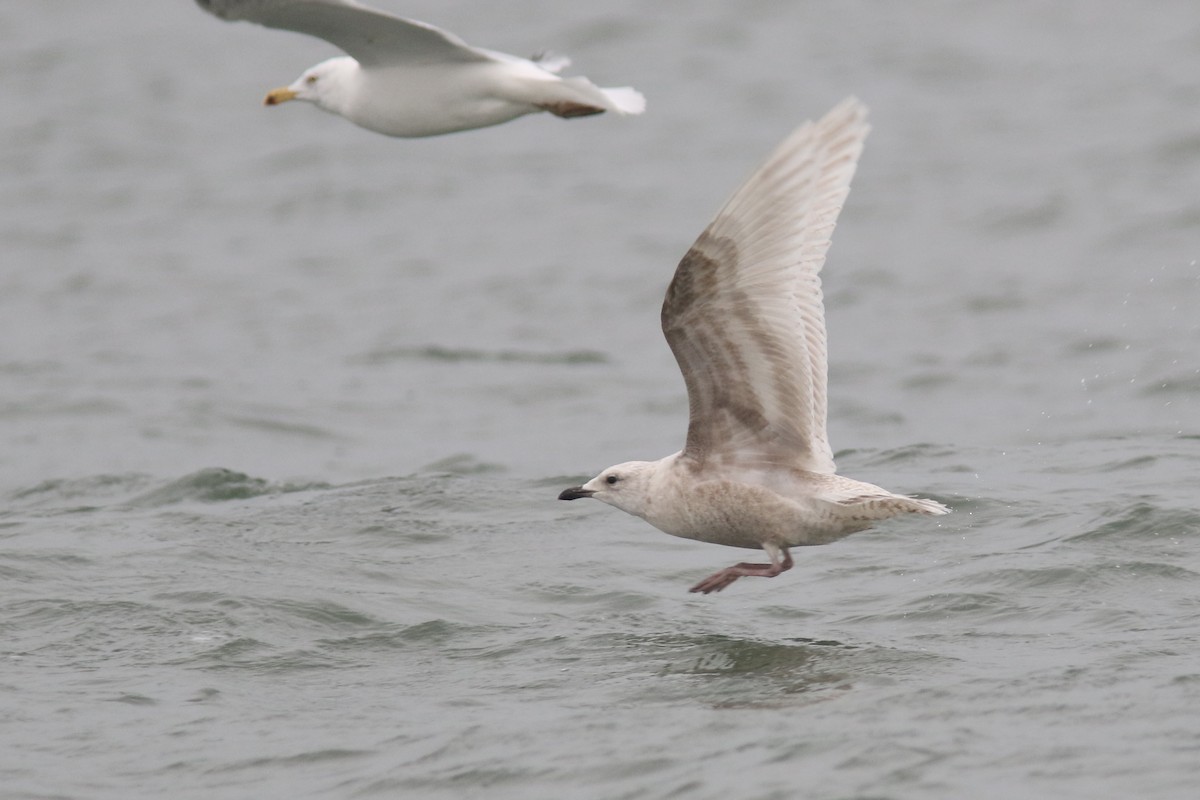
x: 285, y: 407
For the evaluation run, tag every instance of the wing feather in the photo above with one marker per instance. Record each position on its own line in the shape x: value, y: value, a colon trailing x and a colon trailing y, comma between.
x: 372, y: 37
x: 744, y: 313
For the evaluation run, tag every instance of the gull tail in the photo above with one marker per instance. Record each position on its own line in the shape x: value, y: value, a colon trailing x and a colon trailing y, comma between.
x: 626, y: 99
x: 623, y: 100
x: 881, y: 504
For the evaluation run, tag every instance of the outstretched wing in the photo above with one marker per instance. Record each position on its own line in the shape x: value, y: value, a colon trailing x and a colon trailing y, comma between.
x: 372, y: 37
x: 744, y: 313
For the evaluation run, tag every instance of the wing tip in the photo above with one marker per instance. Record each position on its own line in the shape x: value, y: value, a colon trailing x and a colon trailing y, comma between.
x: 218, y: 8
x: 926, y: 506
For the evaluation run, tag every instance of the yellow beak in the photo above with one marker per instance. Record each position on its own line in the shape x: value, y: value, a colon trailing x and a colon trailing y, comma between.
x: 277, y: 96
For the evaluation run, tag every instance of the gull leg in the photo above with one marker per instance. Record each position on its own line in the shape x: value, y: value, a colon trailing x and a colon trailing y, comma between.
x: 781, y: 561
x: 568, y: 109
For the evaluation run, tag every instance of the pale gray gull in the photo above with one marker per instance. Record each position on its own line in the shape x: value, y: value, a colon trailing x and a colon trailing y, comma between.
x: 744, y: 317
x: 406, y: 78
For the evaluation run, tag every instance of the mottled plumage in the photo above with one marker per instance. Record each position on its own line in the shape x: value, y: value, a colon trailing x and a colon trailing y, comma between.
x: 745, y: 319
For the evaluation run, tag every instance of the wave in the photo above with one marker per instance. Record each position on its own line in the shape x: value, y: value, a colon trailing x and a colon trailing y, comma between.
x: 459, y: 354
x: 89, y: 493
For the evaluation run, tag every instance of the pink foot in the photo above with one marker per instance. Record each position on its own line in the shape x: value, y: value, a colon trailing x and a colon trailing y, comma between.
x: 719, y: 580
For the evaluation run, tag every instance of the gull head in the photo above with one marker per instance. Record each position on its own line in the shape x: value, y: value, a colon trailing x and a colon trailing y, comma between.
x: 625, y: 486
x: 326, y: 85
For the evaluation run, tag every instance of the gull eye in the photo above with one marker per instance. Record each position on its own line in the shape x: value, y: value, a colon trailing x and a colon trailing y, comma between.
x: 611, y: 479
x: 311, y: 79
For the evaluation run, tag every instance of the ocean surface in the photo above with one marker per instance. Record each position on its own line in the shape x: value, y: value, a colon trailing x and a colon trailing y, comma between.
x: 285, y: 407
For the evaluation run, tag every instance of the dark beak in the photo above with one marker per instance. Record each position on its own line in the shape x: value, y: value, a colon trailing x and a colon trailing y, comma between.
x: 575, y: 492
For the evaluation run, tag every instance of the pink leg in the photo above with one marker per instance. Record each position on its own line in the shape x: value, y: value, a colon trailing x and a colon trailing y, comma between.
x: 719, y: 580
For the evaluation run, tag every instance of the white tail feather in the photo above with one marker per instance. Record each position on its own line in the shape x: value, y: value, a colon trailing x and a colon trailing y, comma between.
x: 626, y: 100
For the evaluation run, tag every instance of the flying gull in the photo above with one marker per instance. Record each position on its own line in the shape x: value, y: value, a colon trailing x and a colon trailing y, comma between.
x: 743, y: 316
x: 407, y: 78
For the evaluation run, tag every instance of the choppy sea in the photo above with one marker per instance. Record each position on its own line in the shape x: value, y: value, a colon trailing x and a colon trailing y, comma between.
x: 285, y: 407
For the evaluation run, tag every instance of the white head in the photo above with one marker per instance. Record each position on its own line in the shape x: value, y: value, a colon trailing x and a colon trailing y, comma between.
x: 626, y: 486
x: 327, y: 85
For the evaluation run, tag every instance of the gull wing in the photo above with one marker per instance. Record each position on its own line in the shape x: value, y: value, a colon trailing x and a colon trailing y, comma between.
x: 744, y: 313
x: 374, y: 38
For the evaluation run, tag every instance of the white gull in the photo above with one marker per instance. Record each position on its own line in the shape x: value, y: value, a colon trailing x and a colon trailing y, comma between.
x: 407, y: 78
x: 744, y: 317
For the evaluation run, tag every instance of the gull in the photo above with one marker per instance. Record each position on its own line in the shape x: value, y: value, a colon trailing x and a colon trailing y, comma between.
x: 406, y: 78
x: 744, y: 318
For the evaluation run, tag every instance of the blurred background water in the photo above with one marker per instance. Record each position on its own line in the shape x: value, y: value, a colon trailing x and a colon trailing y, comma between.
x: 285, y: 407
